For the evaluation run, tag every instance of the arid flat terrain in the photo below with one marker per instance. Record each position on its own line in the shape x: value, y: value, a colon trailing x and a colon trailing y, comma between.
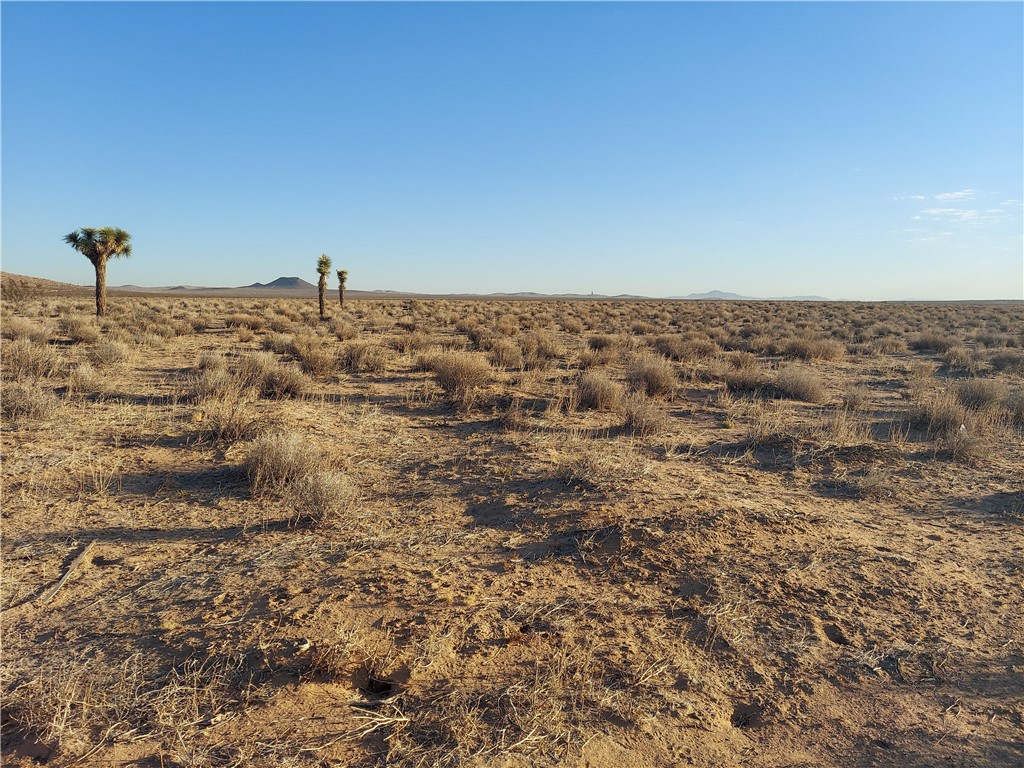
x: 546, y: 533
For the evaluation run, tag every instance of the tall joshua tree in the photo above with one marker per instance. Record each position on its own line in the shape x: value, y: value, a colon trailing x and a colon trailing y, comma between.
x: 98, y: 245
x: 342, y: 279
x: 323, y: 266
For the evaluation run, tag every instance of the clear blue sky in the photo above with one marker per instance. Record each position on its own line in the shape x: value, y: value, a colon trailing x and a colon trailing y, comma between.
x: 863, y: 151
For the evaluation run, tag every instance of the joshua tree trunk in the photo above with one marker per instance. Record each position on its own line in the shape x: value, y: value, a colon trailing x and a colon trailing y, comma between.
x: 101, y: 287
x: 341, y: 295
x: 322, y: 285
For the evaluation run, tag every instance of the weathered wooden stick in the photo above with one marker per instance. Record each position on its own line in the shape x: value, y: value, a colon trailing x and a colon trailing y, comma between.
x: 48, y: 596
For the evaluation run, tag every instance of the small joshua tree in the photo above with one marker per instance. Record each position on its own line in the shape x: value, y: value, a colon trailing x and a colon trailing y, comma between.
x: 342, y: 279
x: 323, y: 266
x: 98, y: 245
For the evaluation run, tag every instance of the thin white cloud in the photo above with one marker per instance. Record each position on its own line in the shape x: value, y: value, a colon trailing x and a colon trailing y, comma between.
x: 963, y: 194
x: 951, y: 214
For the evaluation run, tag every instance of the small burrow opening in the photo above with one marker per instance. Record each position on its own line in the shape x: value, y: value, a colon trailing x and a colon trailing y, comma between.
x: 746, y: 716
x: 375, y: 684
x: 835, y: 633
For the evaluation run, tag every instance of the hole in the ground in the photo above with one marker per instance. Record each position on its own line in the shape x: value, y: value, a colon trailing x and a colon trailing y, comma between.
x: 836, y: 635
x: 746, y: 716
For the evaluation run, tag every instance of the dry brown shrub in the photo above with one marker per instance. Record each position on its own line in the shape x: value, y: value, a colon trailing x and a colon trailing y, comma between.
x: 597, y: 392
x: 940, y: 414
x: 645, y: 417
x: 26, y: 359
x: 110, y: 353
x: 652, y: 375
x: 27, y: 401
x: 243, y: 320
x: 807, y: 348
x: 320, y: 497
x: 272, y: 378
x: 505, y: 353
x: 982, y: 394
x: 15, y: 328
x: 277, y: 459
x: 1007, y: 362
x: 540, y: 349
x: 461, y: 374
x: 315, y: 357
x: 366, y: 357
x: 933, y: 341
x: 344, y: 330
x: 800, y: 383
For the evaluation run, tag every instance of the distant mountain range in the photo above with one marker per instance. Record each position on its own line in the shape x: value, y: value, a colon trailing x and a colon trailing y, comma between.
x: 726, y: 296
x: 284, y: 283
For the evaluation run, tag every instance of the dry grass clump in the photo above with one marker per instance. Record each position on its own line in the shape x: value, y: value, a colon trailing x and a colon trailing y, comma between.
x: 344, y: 330
x: 277, y: 459
x: 874, y: 485
x: 244, y: 320
x: 652, y: 375
x: 595, y: 391
x: 22, y: 328
x: 110, y: 353
x: 26, y: 359
x: 226, y: 416
x: 1007, y: 362
x: 540, y: 349
x: 278, y: 343
x: 940, y: 414
x: 645, y: 417
x: 461, y: 374
x: 366, y: 357
x: 505, y: 353
x: 807, y: 348
x: 740, y: 373
x: 319, y: 497
x: 982, y: 394
x: 27, y: 400
x: 684, y: 349
x: 855, y: 398
x: 771, y: 425
x: 271, y: 378
x: 313, y: 355
x: 933, y: 341
x: 415, y: 341
x: 799, y: 383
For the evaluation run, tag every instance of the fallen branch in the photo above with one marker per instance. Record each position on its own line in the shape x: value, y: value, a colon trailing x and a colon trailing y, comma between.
x: 48, y: 595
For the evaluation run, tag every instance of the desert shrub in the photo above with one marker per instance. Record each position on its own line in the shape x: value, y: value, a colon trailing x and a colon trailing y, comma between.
x: 110, y: 353
x: 210, y: 382
x: 960, y: 358
x: 920, y: 379
x: 245, y: 334
x: 272, y: 378
x: 461, y: 374
x: 965, y: 446
x: 807, y: 348
x: 226, y: 416
x: 540, y: 349
x: 933, y: 341
x: 416, y: 341
x: 84, y: 378
x: 888, y: 345
x: 343, y: 329
x: 15, y: 328
x: 1007, y: 362
x: 799, y: 383
x: 604, y: 341
x: 572, y: 325
x: 940, y: 414
x: 741, y: 380
x: 277, y: 343
x: 507, y: 325
x: 277, y: 459
x: 644, y: 416
x: 505, y: 353
x: 23, y: 358
x: 365, y: 357
x: 319, y: 497
x: 652, y: 375
x: 981, y: 394
x: 27, y: 401
x: 770, y: 425
x: 241, y: 319
x: 670, y: 346
x: 855, y: 397
x: 597, y: 392
x: 211, y: 360
x: 313, y: 355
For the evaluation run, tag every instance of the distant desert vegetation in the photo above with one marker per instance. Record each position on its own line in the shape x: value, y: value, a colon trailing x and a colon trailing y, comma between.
x: 511, y: 533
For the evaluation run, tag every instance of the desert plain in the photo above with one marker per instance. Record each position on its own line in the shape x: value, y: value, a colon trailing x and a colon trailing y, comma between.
x: 511, y: 533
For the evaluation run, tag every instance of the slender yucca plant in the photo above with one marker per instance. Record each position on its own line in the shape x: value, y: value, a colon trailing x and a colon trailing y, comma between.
x: 342, y: 279
x: 323, y: 267
x: 98, y: 245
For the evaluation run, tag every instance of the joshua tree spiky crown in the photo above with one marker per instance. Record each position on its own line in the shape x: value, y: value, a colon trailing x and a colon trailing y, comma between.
x: 342, y: 276
x: 98, y: 245
x: 323, y: 264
